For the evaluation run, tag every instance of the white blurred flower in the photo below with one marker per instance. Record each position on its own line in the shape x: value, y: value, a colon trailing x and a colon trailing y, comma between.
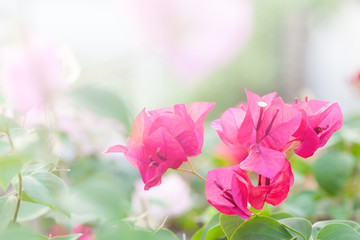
x: 195, y: 38
x: 34, y: 72
x: 171, y: 198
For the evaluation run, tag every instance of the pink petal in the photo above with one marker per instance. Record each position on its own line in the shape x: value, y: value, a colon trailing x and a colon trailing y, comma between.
x: 253, y: 104
x: 117, y: 149
x: 264, y: 161
x: 162, y: 110
x: 308, y: 145
x: 228, y: 125
x: 198, y: 111
x: 222, y: 180
x: 331, y: 118
x: 235, y: 155
x: 140, y: 126
x: 284, y: 121
x: 276, y: 192
x: 191, y: 140
x: 162, y: 144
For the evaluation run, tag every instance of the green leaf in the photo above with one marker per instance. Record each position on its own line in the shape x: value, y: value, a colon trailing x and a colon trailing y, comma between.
x: 30, y: 211
x: 10, y: 166
x: 336, y: 231
x: 261, y: 227
x: 198, y: 234
x: 165, y: 234
x: 68, y: 237
x: 214, y: 233
x: 298, y: 225
x: 229, y: 223
x: 302, y: 204
x: 210, y: 227
x: 332, y: 170
x: 44, y: 188
x: 319, y: 225
x: 7, y: 123
x: 281, y: 215
x: 120, y: 230
x: 7, y: 211
x: 21, y: 234
x: 266, y: 211
x: 103, y: 102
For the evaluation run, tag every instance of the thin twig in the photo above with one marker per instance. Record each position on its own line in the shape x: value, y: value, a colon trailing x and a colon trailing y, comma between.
x: 162, y: 225
x: 10, y: 141
x: 9, y: 194
x: 19, y: 199
x: 192, y: 172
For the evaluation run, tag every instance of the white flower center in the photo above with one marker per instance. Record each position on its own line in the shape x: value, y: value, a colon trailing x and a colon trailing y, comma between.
x: 262, y: 104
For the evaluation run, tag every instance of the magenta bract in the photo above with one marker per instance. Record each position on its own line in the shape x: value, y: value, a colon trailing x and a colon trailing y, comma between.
x: 320, y: 119
x: 267, y: 128
x: 227, y: 191
x: 272, y: 190
x: 164, y: 139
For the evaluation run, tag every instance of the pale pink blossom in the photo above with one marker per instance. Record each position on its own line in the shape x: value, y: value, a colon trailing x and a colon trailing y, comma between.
x: 31, y: 73
x: 195, y: 38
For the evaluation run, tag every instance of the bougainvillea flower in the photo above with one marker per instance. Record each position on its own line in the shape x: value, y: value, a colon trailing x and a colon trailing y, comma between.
x: 31, y: 73
x: 264, y: 127
x: 227, y: 190
x: 271, y: 190
x: 164, y: 139
x: 320, y: 120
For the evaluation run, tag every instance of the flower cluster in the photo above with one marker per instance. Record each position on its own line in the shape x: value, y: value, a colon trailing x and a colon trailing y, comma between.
x: 165, y: 139
x: 262, y: 131
x: 267, y: 128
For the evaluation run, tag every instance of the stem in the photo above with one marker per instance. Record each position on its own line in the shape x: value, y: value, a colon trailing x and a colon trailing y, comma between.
x: 10, y: 140
x: 192, y: 172
x: 293, y: 231
x: 19, y: 199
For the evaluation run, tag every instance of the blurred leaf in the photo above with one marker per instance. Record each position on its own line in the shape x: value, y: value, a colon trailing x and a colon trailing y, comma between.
x: 302, y: 204
x: 7, y: 123
x: 10, y: 166
x: 229, y: 223
x: 44, y: 188
x: 281, y: 215
x: 298, y: 164
x: 165, y: 234
x: 30, y: 211
x: 332, y: 170
x: 300, y: 225
x: 211, y: 229
x: 21, y: 234
x: 339, y: 212
x: 68, y: 237
x: 198, y: 234
x: 7, y: 211
x: 319, y: 225
x: 103, y: 198
x: 261, y: 227
x: 103, y: 102
x: 336, y: 231
x: 120, y: 230
x: 187, y: 221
